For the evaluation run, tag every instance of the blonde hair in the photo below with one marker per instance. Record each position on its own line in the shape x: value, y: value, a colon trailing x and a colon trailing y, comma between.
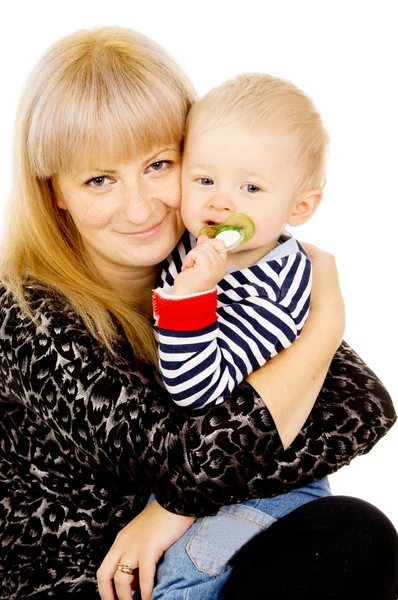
x: 257, y: 100
x: 106, y: 92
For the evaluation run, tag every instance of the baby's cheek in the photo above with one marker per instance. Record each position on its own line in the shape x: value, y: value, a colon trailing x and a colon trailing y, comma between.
x: 276, y: 220
x: 189, y: 204
x: 187, y: 212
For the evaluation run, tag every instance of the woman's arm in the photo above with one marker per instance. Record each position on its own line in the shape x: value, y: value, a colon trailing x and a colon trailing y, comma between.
x: 291, y: 381
x: 123, y: 424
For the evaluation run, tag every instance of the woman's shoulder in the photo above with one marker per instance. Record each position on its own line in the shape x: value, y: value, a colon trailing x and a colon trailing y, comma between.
x: 55, y: 330
x: 51, y: 318
x: 43, y: 305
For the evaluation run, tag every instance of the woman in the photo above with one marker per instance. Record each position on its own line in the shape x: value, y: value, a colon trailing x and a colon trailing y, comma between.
x: 88, y: 432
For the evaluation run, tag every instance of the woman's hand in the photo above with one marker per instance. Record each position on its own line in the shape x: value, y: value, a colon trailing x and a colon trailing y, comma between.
x: 290, y: 382
x: 140, y: 544
x: 326, y: 294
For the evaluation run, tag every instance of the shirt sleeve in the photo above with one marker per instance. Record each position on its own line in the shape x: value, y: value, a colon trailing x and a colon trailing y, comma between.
x: 117, y: 417
x: 205, y: 351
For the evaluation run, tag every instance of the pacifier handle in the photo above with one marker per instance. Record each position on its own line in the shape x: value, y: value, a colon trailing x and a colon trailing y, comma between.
x: 231, y: 237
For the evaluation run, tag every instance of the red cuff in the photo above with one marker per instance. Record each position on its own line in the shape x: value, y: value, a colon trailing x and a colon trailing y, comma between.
x: 185, y: 314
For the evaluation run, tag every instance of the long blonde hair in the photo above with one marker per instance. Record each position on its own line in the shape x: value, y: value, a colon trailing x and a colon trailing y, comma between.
x: 108, y: 89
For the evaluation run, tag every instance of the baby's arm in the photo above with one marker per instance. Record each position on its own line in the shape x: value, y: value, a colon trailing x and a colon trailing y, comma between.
x: 204, y: 354
x: 203, y: 267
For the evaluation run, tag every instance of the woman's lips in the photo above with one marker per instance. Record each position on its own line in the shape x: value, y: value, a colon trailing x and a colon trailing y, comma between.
x: 145, y: 233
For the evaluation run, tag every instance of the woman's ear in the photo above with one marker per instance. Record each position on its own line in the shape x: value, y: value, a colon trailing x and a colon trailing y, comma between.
x: 56, y: 193
x: 305, y: 205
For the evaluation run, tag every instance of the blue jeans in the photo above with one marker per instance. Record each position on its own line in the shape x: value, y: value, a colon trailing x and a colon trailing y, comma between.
x: 194, y: 568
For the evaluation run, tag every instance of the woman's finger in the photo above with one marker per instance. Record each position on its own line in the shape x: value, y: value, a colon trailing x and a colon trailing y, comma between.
x: 105, y: 575
x: 147, y: 578
x: 311, y: 249
x: 124, y: 583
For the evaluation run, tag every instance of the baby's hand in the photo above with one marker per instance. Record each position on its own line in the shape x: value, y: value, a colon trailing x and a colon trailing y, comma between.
x: 202, y: 268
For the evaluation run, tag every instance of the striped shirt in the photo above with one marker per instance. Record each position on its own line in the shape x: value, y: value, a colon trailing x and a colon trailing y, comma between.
x: 209, y: 342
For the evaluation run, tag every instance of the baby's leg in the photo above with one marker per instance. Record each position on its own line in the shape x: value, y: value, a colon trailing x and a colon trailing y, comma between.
x: 195, y: 567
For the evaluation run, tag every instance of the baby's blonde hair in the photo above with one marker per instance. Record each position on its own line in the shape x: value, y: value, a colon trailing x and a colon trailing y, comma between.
x: 107, y: 93
x: 259, y: 101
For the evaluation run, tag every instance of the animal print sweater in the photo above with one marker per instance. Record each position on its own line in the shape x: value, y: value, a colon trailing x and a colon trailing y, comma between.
x: 85, y: 439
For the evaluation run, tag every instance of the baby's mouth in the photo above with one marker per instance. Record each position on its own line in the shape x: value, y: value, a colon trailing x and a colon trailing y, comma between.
x: 211, y: 223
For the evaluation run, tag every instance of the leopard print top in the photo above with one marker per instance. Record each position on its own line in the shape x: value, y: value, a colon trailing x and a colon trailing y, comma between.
x: 85, y: 439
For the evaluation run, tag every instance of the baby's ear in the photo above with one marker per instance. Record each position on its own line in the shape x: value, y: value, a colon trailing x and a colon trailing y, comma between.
x: 304, y: 207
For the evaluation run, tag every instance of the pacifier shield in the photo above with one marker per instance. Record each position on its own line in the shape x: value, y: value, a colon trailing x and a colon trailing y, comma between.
x: 236, y: 229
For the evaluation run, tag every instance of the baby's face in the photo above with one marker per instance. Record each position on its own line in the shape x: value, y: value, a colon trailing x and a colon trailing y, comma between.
x: 233, y: 170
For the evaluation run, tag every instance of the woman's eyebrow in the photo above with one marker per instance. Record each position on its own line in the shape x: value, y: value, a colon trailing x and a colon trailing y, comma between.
x: 93, y: 171
x: 114, y: 171
x: 166, y: 149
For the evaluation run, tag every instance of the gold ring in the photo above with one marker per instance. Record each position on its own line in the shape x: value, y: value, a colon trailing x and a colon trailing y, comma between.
x: 125, y: 568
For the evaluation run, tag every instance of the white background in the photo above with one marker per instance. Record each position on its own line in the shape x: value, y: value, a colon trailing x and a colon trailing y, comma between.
x: 344, y: 55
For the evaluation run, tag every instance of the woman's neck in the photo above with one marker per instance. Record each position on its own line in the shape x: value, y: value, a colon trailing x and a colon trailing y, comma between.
x: 136, y: 286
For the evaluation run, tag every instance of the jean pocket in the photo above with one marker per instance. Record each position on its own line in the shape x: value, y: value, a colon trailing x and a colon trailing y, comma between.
x: 220, y: 536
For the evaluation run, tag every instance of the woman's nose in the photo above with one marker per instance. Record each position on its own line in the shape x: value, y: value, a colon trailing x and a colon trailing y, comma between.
x: 138, y: 205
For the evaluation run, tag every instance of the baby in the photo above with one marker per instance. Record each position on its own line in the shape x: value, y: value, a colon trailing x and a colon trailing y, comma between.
x: 255, y: 145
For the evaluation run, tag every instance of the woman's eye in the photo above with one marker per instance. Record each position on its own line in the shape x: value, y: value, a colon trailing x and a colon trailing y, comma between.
x: 97, y: 181
x: 160, y: 165
x: 205, y: 181
x: 250, y: 187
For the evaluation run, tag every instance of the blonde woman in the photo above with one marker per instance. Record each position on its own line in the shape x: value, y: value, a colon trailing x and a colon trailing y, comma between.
x: 88, y: 432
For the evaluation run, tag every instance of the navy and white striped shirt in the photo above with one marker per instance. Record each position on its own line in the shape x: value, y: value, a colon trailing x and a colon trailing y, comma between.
x: 258, y: 311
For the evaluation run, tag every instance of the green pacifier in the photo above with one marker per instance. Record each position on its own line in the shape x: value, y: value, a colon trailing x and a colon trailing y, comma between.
x: 237, y: 229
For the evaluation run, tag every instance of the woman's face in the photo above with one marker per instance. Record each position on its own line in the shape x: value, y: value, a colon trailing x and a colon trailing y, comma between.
x: 127, y: 214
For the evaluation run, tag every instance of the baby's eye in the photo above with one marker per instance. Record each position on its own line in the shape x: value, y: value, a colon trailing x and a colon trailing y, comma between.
x: 250, y: 187
x: 205, y: 181
x: 98, y: 181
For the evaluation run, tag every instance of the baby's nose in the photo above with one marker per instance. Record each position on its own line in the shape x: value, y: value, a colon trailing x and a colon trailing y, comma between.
x: 222, y: 201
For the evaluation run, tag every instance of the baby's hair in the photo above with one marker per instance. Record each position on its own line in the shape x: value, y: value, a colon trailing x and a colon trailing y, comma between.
x: 256, y: 101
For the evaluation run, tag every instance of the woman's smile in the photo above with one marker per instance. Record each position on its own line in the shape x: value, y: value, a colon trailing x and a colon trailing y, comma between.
x: 144, y: 233
x: 132, y: 221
